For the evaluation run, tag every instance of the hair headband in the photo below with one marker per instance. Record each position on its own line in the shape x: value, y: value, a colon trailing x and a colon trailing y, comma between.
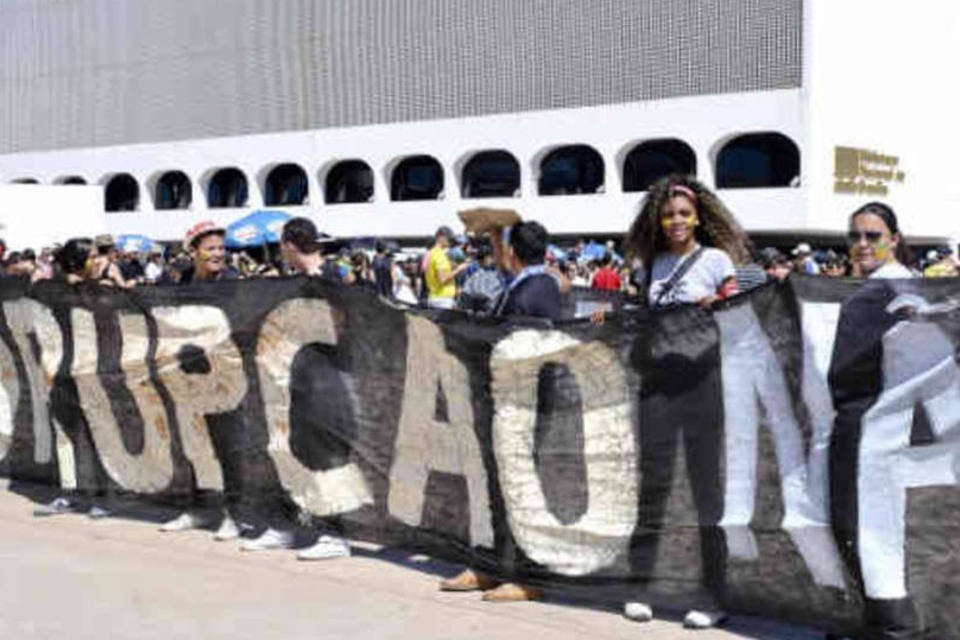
x: 683, y: 190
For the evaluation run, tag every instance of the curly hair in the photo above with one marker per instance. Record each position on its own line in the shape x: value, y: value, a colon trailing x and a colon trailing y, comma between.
x: 717, y: 228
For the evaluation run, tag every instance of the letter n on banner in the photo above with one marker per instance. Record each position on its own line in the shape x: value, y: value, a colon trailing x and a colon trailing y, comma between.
x: 602, y: 534
x: 287, y: 329
x: 425, y: 445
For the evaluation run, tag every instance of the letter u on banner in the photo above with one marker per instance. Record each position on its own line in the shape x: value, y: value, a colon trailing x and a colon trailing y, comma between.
x: 285, y: 331
x: 151, y: 470
x: 602, y: 534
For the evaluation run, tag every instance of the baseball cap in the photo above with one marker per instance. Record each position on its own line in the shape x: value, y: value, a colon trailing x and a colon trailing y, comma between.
x: 201, y: 229
x: 801, y: 249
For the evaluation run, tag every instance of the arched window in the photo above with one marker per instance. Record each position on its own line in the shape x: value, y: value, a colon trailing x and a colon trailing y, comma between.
x: 228, y: 188
x: 25, y: 181
x: 417, y: 178
x: 758, y: 160
x: 173, y: 191
x: 571, y: 170
x: 491, y: 174
x: 121, y: 193
x: 649, y: 161
x: 349, y: 181
x: 74, y: 180
x: 286, y: 186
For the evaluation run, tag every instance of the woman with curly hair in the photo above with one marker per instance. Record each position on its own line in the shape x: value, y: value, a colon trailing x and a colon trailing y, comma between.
x: 688, y: 243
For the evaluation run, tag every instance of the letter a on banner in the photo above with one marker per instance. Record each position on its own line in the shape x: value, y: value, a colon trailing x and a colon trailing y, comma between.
x: 602, y: 534
x: 425, y: 445
x: 288, y: 328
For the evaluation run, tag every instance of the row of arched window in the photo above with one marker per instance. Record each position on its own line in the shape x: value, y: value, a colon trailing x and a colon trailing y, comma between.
x: 749, y: 161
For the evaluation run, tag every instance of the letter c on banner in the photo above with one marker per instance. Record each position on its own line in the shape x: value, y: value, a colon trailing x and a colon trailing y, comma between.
x: 285, y: 331
x: 602, y: 534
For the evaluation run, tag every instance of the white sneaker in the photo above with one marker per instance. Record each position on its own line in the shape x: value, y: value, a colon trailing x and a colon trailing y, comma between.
x: 228, y: 529
x: 184, y: 522
x: 325, y: 547
x: 97, y: 512
x: 703, y: 619
x: 56, y: 506
x: 638, y: 611
x: 269, y: 539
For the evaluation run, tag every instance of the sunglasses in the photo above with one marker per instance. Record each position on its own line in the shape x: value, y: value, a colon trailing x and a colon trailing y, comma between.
x: 873, y: 237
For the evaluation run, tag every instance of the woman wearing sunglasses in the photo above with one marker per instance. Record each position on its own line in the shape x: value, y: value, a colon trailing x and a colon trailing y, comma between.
x: 877, y: 249
x: 871, y: 423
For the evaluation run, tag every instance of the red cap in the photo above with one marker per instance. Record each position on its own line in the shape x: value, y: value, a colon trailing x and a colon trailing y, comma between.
x: 201, y: 229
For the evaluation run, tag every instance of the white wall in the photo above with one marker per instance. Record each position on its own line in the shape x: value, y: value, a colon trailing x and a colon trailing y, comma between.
x: 703, y: 122
x: 35, y: 216
x: 881, y: 76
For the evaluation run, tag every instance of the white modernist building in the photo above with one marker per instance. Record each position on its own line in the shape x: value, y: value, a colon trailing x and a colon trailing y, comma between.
x: 379, y: 117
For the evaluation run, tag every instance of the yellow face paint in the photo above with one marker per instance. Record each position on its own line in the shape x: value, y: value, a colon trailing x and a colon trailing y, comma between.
x: 881, y: 250
x: 691, y: 221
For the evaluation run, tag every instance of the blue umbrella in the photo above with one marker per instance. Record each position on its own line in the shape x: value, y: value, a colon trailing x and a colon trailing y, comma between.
x: 557, y: 252
x: 134, y: 243
x: 593, y: 251
x: 257, y: 229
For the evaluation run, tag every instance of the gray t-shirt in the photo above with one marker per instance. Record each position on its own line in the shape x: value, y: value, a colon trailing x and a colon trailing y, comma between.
x: 703, y: 279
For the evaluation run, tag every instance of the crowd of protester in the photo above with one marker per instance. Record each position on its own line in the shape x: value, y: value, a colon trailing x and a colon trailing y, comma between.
x: 471, y: 282
x: 683, y: 247
x: 455, y: 271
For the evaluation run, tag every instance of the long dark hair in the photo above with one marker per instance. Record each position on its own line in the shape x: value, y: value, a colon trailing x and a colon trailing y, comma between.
x: 72, y: 257
x: 885, y: 212
x: 717, y: 228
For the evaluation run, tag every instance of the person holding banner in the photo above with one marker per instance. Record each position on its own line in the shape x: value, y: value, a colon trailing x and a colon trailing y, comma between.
x: 76, y: 262
x: 205, y: 243
x: 532, y: 291
x: 884, y: 365
x: 302, y: 252
x: 688, y: 243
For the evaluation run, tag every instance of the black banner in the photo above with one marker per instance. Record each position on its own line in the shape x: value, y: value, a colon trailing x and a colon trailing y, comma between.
x: 792, y: 453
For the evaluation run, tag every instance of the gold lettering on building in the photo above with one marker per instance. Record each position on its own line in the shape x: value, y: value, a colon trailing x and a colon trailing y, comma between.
x: 865, y: 172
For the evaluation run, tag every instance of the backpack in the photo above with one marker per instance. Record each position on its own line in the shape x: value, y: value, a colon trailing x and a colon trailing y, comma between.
x: 481, y: 291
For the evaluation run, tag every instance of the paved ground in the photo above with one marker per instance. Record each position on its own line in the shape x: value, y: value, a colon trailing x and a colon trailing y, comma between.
x: 72, y: 577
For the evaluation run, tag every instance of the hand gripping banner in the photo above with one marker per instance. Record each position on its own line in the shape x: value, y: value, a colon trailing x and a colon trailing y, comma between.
x: 793, y: 453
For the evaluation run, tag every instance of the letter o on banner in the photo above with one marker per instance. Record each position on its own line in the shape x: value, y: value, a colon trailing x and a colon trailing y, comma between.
x: 602, y: 535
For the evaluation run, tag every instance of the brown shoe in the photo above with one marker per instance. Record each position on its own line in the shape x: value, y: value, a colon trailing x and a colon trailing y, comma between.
x: 468, y: 580
x: 512, y: 592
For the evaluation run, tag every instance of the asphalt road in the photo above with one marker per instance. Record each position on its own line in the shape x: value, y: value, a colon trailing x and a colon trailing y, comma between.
x: 71, y: 577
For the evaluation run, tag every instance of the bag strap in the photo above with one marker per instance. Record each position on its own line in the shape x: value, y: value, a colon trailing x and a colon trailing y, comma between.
x: 678, y: 274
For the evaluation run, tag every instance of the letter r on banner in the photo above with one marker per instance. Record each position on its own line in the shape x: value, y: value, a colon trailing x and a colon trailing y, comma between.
x: 424, y: 445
